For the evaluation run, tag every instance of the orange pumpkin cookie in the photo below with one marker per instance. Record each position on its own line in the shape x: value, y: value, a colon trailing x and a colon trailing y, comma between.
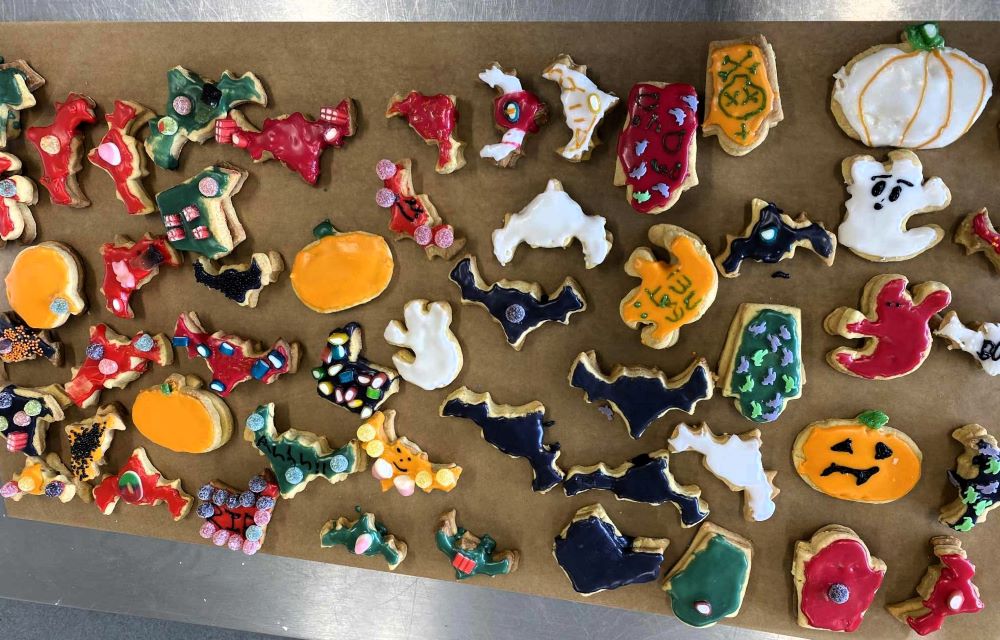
x: 45, y: 285
x: 672, y: 294
x: 861, y: 460
x: 400, y: 463
x: 341, y: 270
x: 180, y: 416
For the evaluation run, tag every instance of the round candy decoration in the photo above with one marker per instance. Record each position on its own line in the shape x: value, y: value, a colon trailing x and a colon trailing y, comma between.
x: 45, y: 285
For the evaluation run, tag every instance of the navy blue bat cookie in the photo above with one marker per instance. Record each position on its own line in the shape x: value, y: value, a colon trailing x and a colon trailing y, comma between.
x: 241, y: 283
x: 516, y: 431
x: 773, y: 236
x: 645, y: 478
x: 25, y: 415
x: 597, y: 557
x: 641, y: 395
x: 519, y: 307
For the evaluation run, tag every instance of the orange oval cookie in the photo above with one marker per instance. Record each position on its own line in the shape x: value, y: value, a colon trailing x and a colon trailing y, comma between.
x: 44, y: 285
x: 180, y: 416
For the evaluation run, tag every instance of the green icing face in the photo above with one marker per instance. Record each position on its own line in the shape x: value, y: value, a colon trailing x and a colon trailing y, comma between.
x: 768, y: 366
x: 715, y: 575
x: 376, y: 539
x: 182, y: 232
x: 11, y: 93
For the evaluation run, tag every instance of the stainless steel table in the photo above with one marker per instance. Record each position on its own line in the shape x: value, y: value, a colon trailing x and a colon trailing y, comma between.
x: 205, y: 585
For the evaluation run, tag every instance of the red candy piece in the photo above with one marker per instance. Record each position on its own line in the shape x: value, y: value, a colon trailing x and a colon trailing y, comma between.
x: 112, y: 360
x: 435, y: 119
x: 118, y: 153
x: 60, y: 147
x: 414, y: 215
x: 139, y: 483
x: 129, y: 265
x: 843, y: 562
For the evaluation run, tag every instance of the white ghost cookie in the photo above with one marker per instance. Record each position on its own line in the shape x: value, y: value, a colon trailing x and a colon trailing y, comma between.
x: 436, y: 357
x: 584, y: 106
x: 983, y: 342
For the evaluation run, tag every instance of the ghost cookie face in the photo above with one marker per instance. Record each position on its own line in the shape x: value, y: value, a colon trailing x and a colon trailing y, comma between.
x: 976, y: 479
x: 432, y: 357
x: 516, y: 113
x: 45, y: 285
x: 883, y: 197
x: 584, y: 106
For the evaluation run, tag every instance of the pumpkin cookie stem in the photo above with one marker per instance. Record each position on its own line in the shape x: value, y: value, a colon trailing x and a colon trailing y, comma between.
x: 926, y: 36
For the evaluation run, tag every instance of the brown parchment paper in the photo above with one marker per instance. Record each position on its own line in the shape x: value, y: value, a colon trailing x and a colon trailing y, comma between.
x: 307, y: 66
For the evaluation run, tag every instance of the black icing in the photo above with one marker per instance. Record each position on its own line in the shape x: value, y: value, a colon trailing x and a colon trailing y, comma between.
x: 11, y: 320
x: 882, y: 451
x: 844, y: 446
x: 861, y: 476
x: 595, y: 558
x: 13, y: 403
x: 235, y: 284
x: 757, y: 246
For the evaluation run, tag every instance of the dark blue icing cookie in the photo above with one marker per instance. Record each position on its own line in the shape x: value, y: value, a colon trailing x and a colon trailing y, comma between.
x: 241, y: 283
x: 516, y: 431
x: 645, y: 478
x: 25, y: 415
x: 641, y: 395
x: 976, y: 478
x: 596, y: 557
x: 773, y: 236
x: 19, y: 342
x: 520, y: 307
x: 348, y: 380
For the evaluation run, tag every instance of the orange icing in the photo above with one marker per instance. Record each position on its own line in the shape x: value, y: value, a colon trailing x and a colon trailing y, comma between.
x: 342, y: 271
x: 31, y: 480
x: 39, y: 275
x: 736, y: 105
x: 671, y: 295
x: 178, y: 421
x: 406, y: 458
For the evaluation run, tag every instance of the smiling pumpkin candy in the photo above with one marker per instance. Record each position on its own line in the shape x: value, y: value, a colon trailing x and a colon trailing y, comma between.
x: 861, y: 460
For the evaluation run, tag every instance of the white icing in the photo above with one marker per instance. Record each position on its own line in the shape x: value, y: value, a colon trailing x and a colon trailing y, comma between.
x: 972, y: 342
x: 874, y: 224
x: 584, y: 106
x: 551, y: 221
x: 512, y: 138
x: 736, y: 461
x: 495, y: 77
x: 898, y: 94
x: 437, y: 355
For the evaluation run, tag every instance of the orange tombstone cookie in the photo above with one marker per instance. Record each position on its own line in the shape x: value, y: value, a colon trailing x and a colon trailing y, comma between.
x: 45, y: 285
x: 180, y: 416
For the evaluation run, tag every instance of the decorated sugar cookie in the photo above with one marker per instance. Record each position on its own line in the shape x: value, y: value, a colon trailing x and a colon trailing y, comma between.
x: 399, y: 462
x: 432, y: 356
x: 45, y: 285
x: 26, y: 413
x: 835, y: 579
x: 129, y: 265
x: 112, y: 361
x: 641, y: 395
x: 671, y: 294
x: 297, y: 457
x: 340, y: 270
x: 18, y: 81
x: 552, y: 220
x: 517, y: 431
x: 742, y: 99
x: 862, y: 460
x: 435, y: 120
x: 518, y: 307
x: 734, y: 459
x: 43, y: 477
x: 236, y: 518
x: 363, y: 536
x: 584, y: 106
x: 893, y: 324
x: 645, y: 478
x: 413, y: 215
x: 883, y: 197
x: 709, y: 581
x: 193, y: 106
x: 19, y: 342
x: 945, y: 590
x: 516, y: 113
x: 89, y: 440
x: 773, y: 236
x: 241, y: 283
x: 978, y: 235
x: 121, y: 156
x: 982, y: 343
x: 181, y: 417
x: 919, y: 94
x: 349, y: 380
x: 472, y: 555
x: 657, y: 147
x: 294, y: 140
x: 596, y: 556
x: 761, y: 363
x: 199, y: 214
x: 976, y: 479
x: 17, y: 195
x: 60, y: 149
x: 140, y: 484
x: 232, y: 359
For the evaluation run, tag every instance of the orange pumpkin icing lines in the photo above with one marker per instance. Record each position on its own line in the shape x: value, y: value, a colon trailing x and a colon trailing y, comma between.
x: 180, y: 416
x: 672, y: 294
x: 45, y: 285
x: 400, y: 463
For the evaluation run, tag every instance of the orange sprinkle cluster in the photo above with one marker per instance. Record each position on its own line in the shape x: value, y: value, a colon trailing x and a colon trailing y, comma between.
x: 24, y: 345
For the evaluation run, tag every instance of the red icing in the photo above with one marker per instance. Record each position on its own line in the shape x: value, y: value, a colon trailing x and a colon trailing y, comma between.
x: 6, y: 221
x: 58, y: 168
x: 845, y: 562
x: 128, y: 266
x: 434, y: 118
x: 107, y: 493
x: 901, y: 330
x: 956, y: 578
x: 88, y: 380
x: 409, y: 212
x: 119, y: 122
x: 982, y: 228
x: 664, y: 158
x: 237, y: 519
x: 528, y: 107
x: 294, y: 140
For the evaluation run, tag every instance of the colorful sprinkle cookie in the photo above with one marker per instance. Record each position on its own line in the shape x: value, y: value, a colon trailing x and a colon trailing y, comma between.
x: 596, y: 556
x: 89, y: 440
x: 140, y: 484
x: 400, y: 463
x: 584, y: 106
x: 893, y: 324
x: 835, y: 579
x: 516, y: 113
x: 120, y: 155
x: 432, y: 356
x: 44, y: 477
x: 413, y: 215
x: 241, y: 283
x: 978, y: 235
x: 671, y: 294
x: 112, y: 361
x: 658, y: 146
x: 20, y: 343
x: 60, y: 149
x: 976, y: 479
x: 435, y: 120
x: 17, y: 195
x: 472, y: 555
x: 347, y: 379
x: 25, y: 415
x: 363, y: 536
x: 45, y: 285
x: 18, y: 81
x: 234, y: 518
x: 982, y: 342
x: 129, y: 265
x: 198, y: 213
x: 297, y: 457
x: 179, y: 416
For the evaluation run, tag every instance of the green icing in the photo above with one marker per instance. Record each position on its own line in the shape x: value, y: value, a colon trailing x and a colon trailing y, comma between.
x: 480, y: 555
x: 366, y: 524
x: 761, y: 383
x: 173, y: 200
x: 716, y: 574
x: 324, y: 229
x: 926, y: 36
x: 873, y: 419
x: 10, y: 89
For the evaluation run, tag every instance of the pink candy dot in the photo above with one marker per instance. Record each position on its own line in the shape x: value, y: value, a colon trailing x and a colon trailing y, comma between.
x: 22, y: 419
x: 262, y: 517
x: 207, y: 530
x: 423, y: 235
x: 385, y: 198
x: 385, y: 169
x: 208, y: 187
x: 9, y: 490
x: 235, y: 542
x: 444, y: 237
x: 251, y: 547
x: 107, y: 367
x: 220, y: 537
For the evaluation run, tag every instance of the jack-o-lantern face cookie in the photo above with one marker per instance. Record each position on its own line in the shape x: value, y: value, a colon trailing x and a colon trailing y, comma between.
x: 180, y: 416
x: 45, y: 285
x: 862, y: 460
